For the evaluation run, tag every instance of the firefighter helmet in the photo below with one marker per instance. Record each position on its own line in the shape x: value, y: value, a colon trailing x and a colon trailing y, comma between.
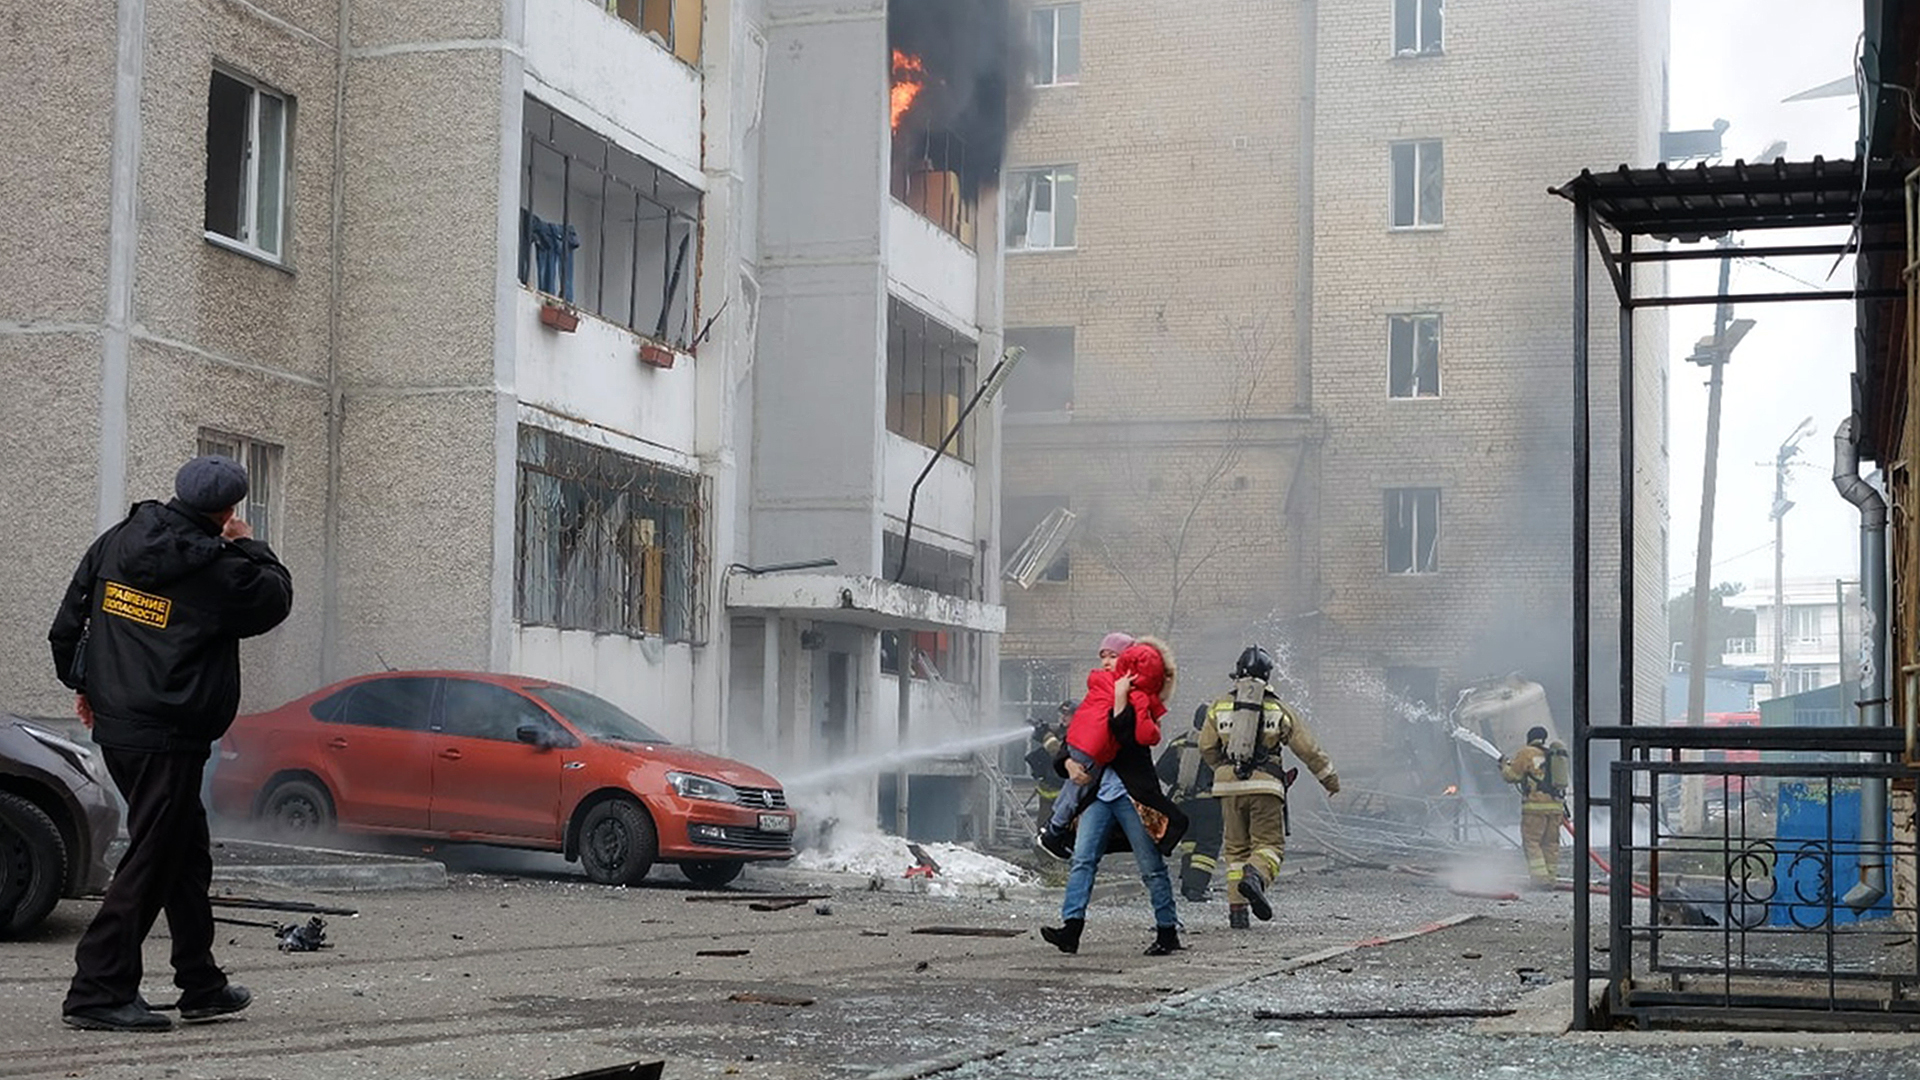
x: 1254, y: 663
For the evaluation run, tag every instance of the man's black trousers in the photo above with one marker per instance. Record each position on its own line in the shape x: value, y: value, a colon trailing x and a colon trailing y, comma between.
x: 168, y: 866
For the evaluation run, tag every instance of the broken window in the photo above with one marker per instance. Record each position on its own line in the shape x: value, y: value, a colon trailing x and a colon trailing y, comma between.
x: 1042, y: 208
x: 1044, y: 380
x: 1416, y: 26
x: 1417, y: 184
x: 1413, y: 356
x: 930, y: 377
x: 1413, y: 530
x: 260, y: 509
x: 604, y: 541
x: 247, y: 164
x: 675, y: 24
x: 930, y: 567
x: 606, y: 230
x: 1033, y: 536
x: 930, y: 177
x: 1056, y: 37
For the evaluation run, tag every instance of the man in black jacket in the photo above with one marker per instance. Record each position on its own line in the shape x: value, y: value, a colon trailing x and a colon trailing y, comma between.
x: 148, y: 635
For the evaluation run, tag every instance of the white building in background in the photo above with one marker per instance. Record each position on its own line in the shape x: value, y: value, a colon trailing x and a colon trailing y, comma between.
x: 1819, y: 624
x: 543, y: 328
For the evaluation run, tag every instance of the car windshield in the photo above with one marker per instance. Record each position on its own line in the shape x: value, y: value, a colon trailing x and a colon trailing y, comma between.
x: 596, y: 718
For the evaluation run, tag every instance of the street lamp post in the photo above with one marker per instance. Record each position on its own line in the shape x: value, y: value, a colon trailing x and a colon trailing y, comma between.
x: 1782, y: 461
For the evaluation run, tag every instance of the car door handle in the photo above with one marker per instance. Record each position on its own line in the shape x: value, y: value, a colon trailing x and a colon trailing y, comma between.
x: 451, y: 753
x: 337, y: 743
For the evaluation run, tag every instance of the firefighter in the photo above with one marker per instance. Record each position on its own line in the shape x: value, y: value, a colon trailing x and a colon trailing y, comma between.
x: 1539, y: 771
x: 1044, y: 747
x: 1241, y: 741
x: 1190, y: 783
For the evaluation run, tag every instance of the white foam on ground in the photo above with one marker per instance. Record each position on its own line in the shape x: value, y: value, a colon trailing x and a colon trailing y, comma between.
x: 879, y: 855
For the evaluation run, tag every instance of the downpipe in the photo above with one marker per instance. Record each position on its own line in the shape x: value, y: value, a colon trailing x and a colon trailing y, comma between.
x: 1873, y: 646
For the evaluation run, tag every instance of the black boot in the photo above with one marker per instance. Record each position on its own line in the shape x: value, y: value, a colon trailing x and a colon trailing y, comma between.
x: 1166, y: 939
x: 1194, y: 881
x: 1255, y: 890
x: 1237, y: 917
x: 1065, y: 937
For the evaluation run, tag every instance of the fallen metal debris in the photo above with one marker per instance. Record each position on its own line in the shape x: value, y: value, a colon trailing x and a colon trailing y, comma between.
x: 723, y: 952
x: 776, y: 905
x: 921, y: 857
x: 751, y: 998
x: 1448, y: 1013
x: 757, y: 896
x: 310, y: 936
x: 301, y: 906
x: 970, y: 931
x: 638, y: 1070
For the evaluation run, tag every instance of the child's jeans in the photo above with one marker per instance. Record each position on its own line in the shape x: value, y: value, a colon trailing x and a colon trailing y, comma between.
x: 1071, y: 793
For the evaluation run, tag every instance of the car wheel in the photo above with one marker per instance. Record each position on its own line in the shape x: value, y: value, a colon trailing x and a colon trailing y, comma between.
x: 297, y: 810
x: 33, y: 864
x: 712, y: 873
x: 617, y: 842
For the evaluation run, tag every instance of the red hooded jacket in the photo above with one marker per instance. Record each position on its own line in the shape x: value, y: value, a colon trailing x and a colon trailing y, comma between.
x: 1090, y: 732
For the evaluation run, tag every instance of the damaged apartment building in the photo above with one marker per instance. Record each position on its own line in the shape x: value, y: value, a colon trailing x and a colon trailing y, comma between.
x: 1295, y: 303
x: 610, y: 341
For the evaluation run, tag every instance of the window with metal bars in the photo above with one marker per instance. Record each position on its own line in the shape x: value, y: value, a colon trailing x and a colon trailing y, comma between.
x: 606, y: 230
x: 260, y: 509
x: 606, y: 542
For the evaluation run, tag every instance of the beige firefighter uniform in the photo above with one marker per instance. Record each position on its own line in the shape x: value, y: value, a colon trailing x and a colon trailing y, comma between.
x: 1541, y: 812
x: 1252, y: 794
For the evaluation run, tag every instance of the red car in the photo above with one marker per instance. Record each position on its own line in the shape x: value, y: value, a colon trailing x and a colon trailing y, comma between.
x: 500, y: 759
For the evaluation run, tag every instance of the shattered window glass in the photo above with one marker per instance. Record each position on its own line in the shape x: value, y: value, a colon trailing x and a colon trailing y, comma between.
x: 1413, y: 354
x: 1417, y: 184
x: 1413, y: 530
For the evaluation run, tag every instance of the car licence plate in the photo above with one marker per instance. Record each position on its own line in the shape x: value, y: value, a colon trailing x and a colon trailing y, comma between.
x: 776, y: 823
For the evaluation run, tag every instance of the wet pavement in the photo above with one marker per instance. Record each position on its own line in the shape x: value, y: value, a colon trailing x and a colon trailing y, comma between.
x: 534, y: 972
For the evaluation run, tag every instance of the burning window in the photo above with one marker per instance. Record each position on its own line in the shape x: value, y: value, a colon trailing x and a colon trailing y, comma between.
x: 1043, y: 206
x: 930, y: 377
x: 1417, y: 184
x: 1416, y: 26
x: 1056, y: 39
x: 605, y: 229
x: 1413, y: 530
x: 1413, y: 356
x: 1044, y: 380
x: 605, y: 542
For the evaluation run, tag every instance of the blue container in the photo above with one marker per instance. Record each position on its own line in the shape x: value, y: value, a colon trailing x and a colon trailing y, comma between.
x: 1812, y: 871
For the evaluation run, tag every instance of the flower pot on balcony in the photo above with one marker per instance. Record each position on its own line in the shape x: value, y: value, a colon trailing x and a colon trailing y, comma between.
x: 656, y: 354
x: 559, y: 316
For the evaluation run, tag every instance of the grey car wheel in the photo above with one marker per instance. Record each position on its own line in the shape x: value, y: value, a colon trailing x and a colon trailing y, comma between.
x: 617, y: 842
x: 297, y: 810
x: 33, y: 864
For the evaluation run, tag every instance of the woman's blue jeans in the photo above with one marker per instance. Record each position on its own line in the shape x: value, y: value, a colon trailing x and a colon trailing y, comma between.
x: 1091, y: 842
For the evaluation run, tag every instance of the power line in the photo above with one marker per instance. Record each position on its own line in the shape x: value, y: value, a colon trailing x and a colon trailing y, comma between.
x: 1723, y: 562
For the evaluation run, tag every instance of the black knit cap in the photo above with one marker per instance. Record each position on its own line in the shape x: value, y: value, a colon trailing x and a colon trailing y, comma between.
x: 210, y: 484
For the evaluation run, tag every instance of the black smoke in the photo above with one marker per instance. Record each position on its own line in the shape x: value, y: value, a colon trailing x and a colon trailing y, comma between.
x: 978, y: 58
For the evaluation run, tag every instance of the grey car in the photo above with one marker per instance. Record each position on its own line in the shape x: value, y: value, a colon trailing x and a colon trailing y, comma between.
x: 58, y: 814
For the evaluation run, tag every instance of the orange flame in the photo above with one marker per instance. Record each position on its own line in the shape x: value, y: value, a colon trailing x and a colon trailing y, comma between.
x: 909, y: 78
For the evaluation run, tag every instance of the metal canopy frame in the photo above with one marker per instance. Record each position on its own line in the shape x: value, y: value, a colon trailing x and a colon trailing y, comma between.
x: 1686, y: 205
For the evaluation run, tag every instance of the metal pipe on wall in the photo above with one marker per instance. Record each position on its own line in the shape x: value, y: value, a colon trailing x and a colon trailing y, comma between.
x: 1873, y: 647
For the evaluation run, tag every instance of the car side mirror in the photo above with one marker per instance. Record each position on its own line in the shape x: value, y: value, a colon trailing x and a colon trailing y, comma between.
x: 533, y: 736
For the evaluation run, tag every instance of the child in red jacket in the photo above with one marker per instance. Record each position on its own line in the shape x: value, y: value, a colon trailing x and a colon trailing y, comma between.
x: 1142, y: 672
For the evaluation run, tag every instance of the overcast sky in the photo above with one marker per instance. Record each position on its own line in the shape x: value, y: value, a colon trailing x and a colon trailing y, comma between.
x: 1736, y: 60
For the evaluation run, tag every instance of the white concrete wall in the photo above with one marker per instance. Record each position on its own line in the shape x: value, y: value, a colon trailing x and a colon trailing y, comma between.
x: 931, y: 270
x: 648, y: 678
x: 937, y: 712
x: 945, y: 505
x: 604, y: 73
x: 594, y: 374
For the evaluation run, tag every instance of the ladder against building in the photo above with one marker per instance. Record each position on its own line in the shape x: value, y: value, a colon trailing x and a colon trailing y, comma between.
x: 1010, y: 821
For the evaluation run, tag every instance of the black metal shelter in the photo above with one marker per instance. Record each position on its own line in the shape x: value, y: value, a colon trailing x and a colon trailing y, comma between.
x: 1735, y: 920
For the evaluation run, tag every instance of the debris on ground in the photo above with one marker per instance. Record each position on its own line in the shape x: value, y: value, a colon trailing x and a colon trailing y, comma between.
x: 310, y: 936
x: 751, y: 998
x: 722, y: 952
x: 970, y: 931
x: 777, y: 905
